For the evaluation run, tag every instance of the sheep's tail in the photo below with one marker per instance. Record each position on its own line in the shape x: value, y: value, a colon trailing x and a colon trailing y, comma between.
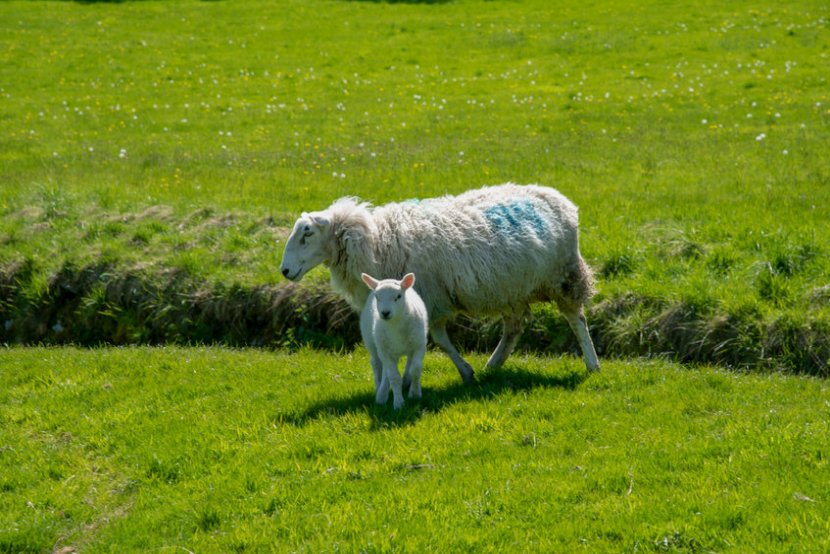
x: 579, y: 284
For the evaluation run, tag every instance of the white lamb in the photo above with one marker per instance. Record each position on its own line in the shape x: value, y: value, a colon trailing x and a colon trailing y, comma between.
x: 490, y: 251
x: 394, y: 324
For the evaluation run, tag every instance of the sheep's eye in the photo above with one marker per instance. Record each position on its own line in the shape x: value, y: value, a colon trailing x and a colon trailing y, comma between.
x: 399, y: 297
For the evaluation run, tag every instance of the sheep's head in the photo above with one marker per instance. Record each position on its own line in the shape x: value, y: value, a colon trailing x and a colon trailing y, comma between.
x: 389, y: 294
x: 306, y: 246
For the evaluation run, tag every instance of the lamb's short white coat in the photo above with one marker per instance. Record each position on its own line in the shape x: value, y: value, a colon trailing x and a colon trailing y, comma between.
x: 489, y: 251
x: 393, y: 324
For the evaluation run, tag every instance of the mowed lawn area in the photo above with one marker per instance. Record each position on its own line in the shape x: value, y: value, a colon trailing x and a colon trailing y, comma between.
x: 219, y: 450
x: 154, y: 155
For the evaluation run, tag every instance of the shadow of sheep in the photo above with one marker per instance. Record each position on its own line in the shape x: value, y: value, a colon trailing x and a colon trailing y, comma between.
x: 488, y: 385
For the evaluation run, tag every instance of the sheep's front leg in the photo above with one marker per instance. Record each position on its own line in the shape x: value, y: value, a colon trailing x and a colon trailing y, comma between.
x: 414, y: 368
x: 510, y: 336
x: 377, y: 369
x: 438, y: 332
x: 382, y: 392
x: 391, y: 379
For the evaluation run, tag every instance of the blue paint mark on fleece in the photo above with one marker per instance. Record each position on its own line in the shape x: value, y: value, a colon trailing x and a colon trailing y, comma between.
x: 513, y: 218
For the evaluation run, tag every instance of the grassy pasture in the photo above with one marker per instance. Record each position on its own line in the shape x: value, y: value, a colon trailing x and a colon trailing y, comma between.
x: 169, y: 143
x: 219, y: 450
x: 152, y: 152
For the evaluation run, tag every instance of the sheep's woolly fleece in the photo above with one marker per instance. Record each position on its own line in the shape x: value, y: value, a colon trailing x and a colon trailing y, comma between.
x: 489, y: 251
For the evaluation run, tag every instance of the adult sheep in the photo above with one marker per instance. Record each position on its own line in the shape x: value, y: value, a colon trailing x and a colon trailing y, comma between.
x: 489, y: 251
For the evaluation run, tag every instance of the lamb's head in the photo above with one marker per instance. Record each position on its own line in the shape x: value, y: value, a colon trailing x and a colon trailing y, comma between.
x: 389, y: 294
x: 306, y: 247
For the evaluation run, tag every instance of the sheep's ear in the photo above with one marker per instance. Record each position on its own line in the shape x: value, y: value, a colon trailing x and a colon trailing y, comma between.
x: 370, y: 281
x: 407, y: 281
x: 320, y: 219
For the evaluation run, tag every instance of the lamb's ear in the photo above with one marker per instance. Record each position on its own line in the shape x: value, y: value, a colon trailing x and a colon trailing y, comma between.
x: 370, y: 281
x: 407, y: 281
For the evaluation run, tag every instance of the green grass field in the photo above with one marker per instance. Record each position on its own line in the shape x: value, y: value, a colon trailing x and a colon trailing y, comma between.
x: 153, y: 156
x: 169, y: 144
x: 217, y: 450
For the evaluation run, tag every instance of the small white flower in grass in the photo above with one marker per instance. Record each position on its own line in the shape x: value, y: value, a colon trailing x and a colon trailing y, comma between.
x: 704, y: 121
x: 785, y: 152
x: 122, y: 153
x: 761, y: 137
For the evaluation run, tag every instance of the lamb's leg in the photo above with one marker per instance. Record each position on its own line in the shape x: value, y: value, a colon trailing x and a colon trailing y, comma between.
x: 391, y: 378
x: 377, y: 368
x: 510, y: 336
x: 414, y: 367
x: 382, y: 391
x: 576, y: 319
x: 438, y: 332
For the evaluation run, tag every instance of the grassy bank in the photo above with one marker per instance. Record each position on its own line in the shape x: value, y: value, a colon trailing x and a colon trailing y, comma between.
x: 216, y: 450
x: 151, y: 278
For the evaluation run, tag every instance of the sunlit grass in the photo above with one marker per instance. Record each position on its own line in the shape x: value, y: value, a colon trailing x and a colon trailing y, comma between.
x: 693, y: 141
x: 216, y: 450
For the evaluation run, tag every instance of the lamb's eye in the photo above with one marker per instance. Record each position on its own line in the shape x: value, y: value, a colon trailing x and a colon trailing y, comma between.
x: 399, y: 297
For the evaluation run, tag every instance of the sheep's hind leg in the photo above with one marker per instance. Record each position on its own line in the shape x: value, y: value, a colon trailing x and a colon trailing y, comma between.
x: 438, y: 332
x: 576, y: 319
x: 510, y: 336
